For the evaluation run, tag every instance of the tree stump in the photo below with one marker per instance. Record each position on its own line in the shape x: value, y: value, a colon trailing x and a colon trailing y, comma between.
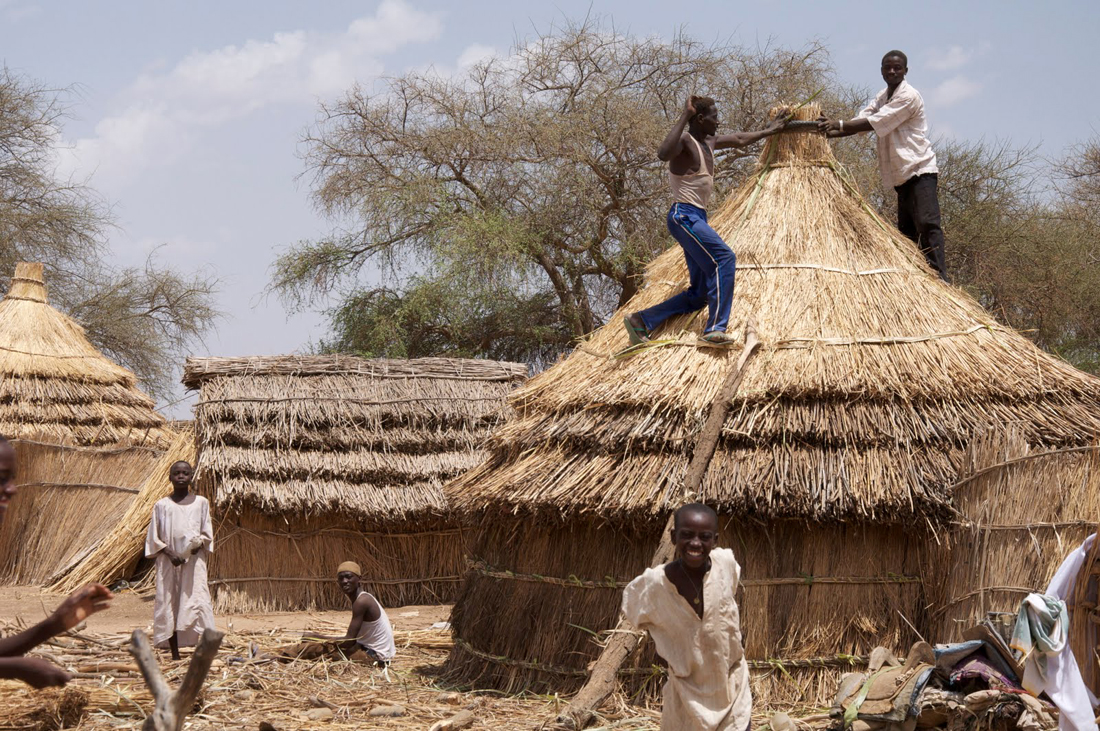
x: 171, y: 707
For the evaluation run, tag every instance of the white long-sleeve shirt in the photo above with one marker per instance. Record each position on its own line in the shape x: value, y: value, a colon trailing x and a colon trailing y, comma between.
x: 902, y: 131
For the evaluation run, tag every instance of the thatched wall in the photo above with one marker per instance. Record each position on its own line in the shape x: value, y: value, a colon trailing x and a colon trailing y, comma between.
x: 116, y: 556
x: 854, y: 420
x: 1021, y: 511
x: 69, y: 499
x: 263, y: 563
x: 820, y: 596
x: 313, y: 460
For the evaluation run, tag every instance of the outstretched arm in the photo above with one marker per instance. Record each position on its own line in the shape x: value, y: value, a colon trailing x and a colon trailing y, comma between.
x: 673, y: 143
x: 80, y: 605
x: 843, y: 128
x: 743, y: 139
x: 34, y: 671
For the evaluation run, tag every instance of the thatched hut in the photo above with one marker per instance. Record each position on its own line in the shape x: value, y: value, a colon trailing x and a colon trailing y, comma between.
x: 85, y: 435
x: 833, y: 466
x: 311, y: 460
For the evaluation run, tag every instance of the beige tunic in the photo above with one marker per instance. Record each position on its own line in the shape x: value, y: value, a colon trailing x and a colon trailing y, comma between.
x: 708, y: 679
x: 182, y: 603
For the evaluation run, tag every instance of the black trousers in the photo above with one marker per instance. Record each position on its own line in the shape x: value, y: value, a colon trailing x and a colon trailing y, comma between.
x: 919, y: 218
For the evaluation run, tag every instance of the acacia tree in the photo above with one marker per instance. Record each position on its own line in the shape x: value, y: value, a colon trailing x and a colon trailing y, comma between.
x: 509, y: 209
x: 145, y: 318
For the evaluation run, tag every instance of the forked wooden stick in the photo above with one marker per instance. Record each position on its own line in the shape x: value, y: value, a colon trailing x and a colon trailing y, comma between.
x: 603, y: 677
x: 171, y: 707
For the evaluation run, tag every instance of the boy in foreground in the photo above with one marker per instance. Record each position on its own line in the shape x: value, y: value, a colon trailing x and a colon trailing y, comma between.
x: 180, y: 536
x: 710, y: 262
x: 689, y: 610
x: 81, y: 604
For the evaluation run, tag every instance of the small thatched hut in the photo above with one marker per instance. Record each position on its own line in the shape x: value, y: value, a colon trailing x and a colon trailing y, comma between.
x: 311, y: 460
x: 833, y: 467
x: 85, y: 435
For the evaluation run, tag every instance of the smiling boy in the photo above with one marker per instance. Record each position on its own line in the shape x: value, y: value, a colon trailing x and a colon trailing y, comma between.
x: 689, y: 610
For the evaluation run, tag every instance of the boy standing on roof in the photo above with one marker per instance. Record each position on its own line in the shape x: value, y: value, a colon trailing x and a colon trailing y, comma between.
x: 180, y: 536
x: 710, y: 262
x: 689, y: 610
x: 905, y: 157
x: 81, y: 604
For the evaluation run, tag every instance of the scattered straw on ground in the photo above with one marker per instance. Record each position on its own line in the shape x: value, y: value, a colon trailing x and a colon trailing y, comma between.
x: 108, y: 692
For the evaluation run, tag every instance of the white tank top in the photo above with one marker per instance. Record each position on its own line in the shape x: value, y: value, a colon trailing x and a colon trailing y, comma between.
x: 693, y: 188
x: 377, y: 635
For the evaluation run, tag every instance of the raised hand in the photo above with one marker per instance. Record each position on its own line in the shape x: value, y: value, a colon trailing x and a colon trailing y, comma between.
x: 81, y: 604
x: 689, y: 106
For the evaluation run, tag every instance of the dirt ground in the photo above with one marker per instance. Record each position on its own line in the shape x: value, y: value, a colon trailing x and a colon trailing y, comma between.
x: 108, y: 693
x: 129, y: 612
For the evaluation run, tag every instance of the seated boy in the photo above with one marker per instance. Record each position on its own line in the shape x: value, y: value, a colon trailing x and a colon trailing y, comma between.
x: 369, y: 637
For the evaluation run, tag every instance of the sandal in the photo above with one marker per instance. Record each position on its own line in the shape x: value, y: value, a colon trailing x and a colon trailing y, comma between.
x: 638, y: 335
x: 717, y: 339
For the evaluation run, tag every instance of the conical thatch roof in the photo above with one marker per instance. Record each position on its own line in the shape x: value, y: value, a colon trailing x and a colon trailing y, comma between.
x: 371, y: 439
x: 873, y: 377
x: 54, y: 384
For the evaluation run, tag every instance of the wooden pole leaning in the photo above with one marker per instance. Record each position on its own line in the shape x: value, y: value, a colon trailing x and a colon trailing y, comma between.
x: 171, y: 707
x: 624, y: 639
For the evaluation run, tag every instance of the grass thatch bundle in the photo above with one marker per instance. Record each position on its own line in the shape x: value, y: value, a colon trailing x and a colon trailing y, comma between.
x: 312, y: 460
x: 69, y: 499
x: 833, y: 464
x: 116, y: 556
x: 55, y: 386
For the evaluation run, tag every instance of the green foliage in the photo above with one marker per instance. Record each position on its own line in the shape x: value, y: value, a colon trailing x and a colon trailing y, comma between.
x: 509, y: 210
x: 521, y: 199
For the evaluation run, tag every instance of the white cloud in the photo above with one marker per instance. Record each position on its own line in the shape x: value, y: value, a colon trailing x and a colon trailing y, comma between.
x: 475, y: 54
x: 163, y: 112
x: 954, y: 90
x: 954, y: 57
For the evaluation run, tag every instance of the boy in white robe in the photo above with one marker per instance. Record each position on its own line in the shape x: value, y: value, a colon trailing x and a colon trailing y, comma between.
x: 689, y: 610
x: 180, y: 536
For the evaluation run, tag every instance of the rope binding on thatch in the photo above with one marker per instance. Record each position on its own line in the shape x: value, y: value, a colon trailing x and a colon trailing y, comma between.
x: 483, y: 569
x: 771, y: 663
x: 329, y: 580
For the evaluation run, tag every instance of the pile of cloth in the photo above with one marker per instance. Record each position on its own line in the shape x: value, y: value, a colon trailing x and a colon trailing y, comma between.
x: 975, y: 684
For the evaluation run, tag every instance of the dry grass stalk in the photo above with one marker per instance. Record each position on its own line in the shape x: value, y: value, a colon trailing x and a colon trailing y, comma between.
x: 840, y: 447
x: 311, y: 460
x: 117, y: 554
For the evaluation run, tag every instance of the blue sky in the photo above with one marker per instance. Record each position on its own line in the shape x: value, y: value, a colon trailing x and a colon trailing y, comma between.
x: 188, y: 114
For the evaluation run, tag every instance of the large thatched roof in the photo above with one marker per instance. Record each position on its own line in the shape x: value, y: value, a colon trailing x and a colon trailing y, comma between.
x: 55, y: 386
x: 364, y: 438
x: 873, y: 377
